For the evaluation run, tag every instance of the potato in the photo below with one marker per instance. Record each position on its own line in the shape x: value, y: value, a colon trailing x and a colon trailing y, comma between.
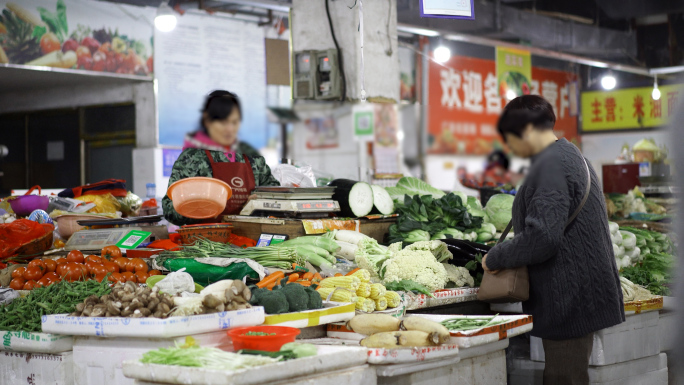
x: 369, y: 324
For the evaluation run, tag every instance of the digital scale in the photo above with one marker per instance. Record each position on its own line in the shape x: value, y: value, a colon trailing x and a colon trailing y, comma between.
x: 292, y: 202
x: 96, y: 239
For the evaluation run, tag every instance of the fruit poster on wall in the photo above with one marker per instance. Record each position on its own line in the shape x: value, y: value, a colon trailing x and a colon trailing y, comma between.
x: 77, y: 35
x: 514, y: 72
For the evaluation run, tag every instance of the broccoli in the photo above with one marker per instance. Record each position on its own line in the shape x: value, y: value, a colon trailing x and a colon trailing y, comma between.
x: 274, y: 302
x: 315, y: 301
x: 256, y: 294
x: 297, y: 297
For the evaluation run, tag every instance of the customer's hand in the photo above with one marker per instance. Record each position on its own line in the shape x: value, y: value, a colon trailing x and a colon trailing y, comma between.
x: 484, y: 266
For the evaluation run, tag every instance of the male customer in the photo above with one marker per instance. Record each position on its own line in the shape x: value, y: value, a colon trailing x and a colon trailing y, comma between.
x: 574, y: 283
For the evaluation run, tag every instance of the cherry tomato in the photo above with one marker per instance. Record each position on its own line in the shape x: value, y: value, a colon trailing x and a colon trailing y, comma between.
x: 61, y: 269
x: 33, y: 273
x: 39, y: 264
x: 122, y: 262
x: 49, y: 43
x: 29, y: 285
x: 18, y: 272
x: 96, y: 269
x: 142, y: 276
x: 61, y: 261
x: 74, y: 272
x: 117, y: 277
x: 135, y: 265
x: 111, y: 252
x: 51, y: 265
x: 100, y: 277
x: 128, y: 276
x: 44, y: 282
x: 154, y: 272
x: 17, y: 283
x: 75, y: 256
x: 52, y: 277
x: 111, y: 267
x: 93, y: 258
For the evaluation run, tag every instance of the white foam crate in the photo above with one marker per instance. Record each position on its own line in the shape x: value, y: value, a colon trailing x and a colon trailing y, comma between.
x: 36, y: 368
x: 513, y: 325
x: 152, y: 327
x: 635, y: 338
x: 668, y: 329
x: 380, y: 356
x: 98, y: 360
x: 644, y: 371
x: 328, y: 359
x: 35, y: 342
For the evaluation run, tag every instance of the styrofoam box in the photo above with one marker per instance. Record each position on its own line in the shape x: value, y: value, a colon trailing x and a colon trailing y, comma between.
x: 152, y: 327
x: 649, y: 370
x: 99, y: 360
x: 635, y: 338
x: 667, y: 329
x: 358, y: 375
x: 328, y: 359
x: 35, y: 342
x: 36, y: 368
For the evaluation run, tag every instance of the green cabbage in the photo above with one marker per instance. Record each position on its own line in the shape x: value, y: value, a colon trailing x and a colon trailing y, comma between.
x: 486, y: 232
x: 415, y: 186
x: 448, y: 233
x: 499, y: 210
x: 474, y: 203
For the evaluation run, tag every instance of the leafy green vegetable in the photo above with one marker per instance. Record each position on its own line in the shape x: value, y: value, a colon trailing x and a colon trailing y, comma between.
x: 407, y: 285
x: 474, y: 266
x: 500, y: 210
x: 300, y: 350
x: 654, y: 272
x: 202, y: 357
x: 57, y: 21
x: 416, y: 186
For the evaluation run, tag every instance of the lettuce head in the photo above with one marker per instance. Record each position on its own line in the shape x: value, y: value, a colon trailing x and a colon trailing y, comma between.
x: 499, y: 210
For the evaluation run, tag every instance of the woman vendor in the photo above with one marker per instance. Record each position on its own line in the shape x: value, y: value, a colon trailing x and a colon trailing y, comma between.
x: 214, y: 151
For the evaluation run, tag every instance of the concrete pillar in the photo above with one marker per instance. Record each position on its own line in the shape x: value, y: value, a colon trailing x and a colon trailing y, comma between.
x: 310, y: 30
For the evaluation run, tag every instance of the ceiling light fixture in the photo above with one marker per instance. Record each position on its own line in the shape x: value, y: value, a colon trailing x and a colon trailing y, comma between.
x: 442, y: 54
x: 608, y: 81
x: 165, y: 20
x: 656, y: 92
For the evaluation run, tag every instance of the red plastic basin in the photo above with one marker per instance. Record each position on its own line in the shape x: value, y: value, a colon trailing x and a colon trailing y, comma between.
x: 283, y: 335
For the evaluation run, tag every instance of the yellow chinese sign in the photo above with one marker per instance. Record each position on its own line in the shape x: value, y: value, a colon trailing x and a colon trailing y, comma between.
x: 631, y: 108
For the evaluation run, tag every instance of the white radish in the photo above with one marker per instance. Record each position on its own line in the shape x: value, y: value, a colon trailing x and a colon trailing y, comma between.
x: 347, y: 250
x: 353, y: 237
x: 368, y: 324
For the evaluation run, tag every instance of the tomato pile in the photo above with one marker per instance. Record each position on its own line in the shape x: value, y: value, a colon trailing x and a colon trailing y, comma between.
x: 77, y: 267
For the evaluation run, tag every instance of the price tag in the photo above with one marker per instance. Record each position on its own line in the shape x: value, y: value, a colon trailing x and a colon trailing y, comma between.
x: 133, y: 239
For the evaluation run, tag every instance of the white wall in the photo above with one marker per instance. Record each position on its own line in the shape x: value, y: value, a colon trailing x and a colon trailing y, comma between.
x: 603, y: 149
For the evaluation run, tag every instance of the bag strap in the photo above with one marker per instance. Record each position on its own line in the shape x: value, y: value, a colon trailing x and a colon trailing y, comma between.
x: 571, y: 218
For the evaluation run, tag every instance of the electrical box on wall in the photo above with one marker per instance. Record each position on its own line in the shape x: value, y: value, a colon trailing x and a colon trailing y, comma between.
x: 316, y: 75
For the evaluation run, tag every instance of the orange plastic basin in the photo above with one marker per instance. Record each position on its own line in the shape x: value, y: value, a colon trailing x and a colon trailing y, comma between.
x: 199, y: 197
x: 283, y: 335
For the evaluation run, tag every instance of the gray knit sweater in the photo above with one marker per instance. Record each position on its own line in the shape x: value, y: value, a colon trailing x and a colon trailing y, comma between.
x: 574, y: 282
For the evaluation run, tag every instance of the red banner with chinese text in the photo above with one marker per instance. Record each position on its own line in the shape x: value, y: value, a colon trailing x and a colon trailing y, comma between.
x: 464, y: 105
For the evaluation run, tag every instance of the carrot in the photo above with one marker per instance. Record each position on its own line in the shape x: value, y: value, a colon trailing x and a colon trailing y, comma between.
x: 293, y: 277
x: 317, y: 277
x: 353, y: 271
x: 304, y: 283
x: 273, y: 277
x: 308, y: 276
x: 338, y: 275
x: 272, y: 285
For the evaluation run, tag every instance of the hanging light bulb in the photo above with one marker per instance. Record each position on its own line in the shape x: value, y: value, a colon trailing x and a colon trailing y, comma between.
x: 656, y: 92
x: 442, y: 54
x: 608, y: 81
x: 165, y: 20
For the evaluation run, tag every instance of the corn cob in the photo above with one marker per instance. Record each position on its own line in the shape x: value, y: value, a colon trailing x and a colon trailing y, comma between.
x: 364, y: 290
x: 351, y: 283
x: 377, y: 290
x: 393, y: 298
x: 362, y: 274
x: 380, y: 304
x: 339, y: 295
x: 365, y: 305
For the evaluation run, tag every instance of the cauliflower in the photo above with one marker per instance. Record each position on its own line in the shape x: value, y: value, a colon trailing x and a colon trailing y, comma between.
x: 370, y: 256
x: 415, y: 265
x: 460, y: 276
x: 437, y: 248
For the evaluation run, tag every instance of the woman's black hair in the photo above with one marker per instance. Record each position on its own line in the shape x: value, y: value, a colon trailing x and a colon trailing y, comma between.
x: 499, y: 157
x: 219, y: 105
x: 524, y: 110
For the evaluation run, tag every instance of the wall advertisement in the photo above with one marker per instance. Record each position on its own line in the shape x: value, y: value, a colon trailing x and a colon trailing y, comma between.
x: 629, y: 109
x: 465, y: 104
x: 77, y: 35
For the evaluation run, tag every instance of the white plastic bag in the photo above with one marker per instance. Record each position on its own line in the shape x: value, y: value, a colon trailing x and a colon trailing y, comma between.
x: 177, y: 282
x: 294, y: 176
